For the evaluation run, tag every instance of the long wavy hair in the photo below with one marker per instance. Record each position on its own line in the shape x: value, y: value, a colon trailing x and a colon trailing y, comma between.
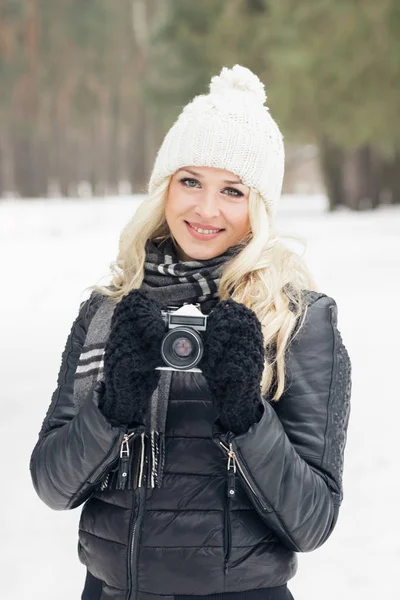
x: 265, y: 275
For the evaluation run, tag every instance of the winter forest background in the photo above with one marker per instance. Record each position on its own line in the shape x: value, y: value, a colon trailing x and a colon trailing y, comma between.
x: 88, y: 89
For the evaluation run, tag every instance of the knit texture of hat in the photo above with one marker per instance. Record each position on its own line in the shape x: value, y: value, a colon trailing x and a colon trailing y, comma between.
x: 230, y: 128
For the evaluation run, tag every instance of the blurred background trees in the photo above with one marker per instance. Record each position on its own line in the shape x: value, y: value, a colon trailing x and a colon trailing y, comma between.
x: 89, y: 88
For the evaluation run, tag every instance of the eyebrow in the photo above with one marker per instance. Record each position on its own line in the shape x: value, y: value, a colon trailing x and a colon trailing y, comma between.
x: 202, y: 176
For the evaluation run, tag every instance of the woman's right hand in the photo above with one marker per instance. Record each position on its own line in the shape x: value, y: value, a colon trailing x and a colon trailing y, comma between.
x: 132, y: 352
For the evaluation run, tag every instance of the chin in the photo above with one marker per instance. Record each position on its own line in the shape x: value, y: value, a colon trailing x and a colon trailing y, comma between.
x: 201, y: 253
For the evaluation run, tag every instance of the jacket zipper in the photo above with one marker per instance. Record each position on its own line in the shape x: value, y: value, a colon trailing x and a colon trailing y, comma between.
x: 233, y: 453
x: 138, y: 512
x: 230, y: 494
x: 139, y: 497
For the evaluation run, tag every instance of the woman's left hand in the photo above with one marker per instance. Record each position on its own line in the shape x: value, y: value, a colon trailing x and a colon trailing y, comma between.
x: 233, y: 364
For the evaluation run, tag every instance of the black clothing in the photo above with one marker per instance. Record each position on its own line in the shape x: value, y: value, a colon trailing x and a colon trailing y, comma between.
x: 276, y: 593
x: 92, y: 591
x: 209, y: 529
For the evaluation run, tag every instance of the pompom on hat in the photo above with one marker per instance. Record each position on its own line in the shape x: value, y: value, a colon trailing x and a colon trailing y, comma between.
x: 231, y: 129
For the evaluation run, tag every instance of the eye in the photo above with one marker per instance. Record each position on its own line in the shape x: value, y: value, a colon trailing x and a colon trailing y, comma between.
x: 187, y: 182
x: 236, y: 193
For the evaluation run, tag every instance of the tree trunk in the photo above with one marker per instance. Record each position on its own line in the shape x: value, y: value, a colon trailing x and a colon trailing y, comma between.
x: 332, y: 160
x: 2, y: 167
x: 137, y: 150
x: 146, y: 17
x: 362, y: 178
x: 30, y: 178
x: 375, y: 178
x: 394, y: 178
x: 92, y: 176
x: 113, y: 159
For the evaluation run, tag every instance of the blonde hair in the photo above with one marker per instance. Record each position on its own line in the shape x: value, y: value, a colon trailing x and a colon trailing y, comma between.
x: 265, y: 275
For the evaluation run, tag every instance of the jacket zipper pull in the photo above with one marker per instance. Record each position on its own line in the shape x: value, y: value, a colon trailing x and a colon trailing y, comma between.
x: 123, y: 467
x: 231, y: 472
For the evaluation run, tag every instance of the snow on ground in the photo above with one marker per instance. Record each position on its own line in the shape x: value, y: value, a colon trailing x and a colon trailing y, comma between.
x: 51, y: 250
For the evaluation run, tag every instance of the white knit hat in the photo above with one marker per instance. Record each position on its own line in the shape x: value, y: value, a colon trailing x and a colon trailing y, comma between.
x: 230, y: 128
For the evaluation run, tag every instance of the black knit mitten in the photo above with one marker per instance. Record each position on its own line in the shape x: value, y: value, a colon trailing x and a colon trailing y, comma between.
x: 132, y: 352
x: 233, y: 363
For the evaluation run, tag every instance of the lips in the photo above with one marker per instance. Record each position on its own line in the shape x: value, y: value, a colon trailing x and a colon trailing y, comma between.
x: 202, y: 226
x: 202, y: 236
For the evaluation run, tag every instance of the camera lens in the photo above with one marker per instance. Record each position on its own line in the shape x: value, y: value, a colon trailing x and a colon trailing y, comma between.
x: 182, y: 347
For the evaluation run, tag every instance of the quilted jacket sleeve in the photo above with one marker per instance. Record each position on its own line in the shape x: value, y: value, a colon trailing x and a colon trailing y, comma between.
x: 74, y: 449
x: 291, y: 461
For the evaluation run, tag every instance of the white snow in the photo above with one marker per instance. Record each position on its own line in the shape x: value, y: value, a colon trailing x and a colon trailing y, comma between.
x: 51, y: 249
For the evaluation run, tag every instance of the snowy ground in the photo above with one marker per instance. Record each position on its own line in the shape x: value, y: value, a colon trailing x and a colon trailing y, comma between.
x: 51, y: 250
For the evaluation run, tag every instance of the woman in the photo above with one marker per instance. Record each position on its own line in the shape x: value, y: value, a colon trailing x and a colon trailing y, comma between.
x: 203, y: 482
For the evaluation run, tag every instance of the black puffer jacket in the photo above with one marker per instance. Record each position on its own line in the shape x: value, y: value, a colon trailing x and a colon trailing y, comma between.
x: 194, y: 535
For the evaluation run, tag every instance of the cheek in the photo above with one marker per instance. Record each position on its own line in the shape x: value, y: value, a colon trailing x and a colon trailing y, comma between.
x: 171, y: 204
x: 241, y: 221
x: 175, y: 204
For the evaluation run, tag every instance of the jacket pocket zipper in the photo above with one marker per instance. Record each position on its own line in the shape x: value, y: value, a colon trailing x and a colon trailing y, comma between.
x: 98, y: 476
x: 119, y: 476
x: 233, y: 455
x: 230, y: 494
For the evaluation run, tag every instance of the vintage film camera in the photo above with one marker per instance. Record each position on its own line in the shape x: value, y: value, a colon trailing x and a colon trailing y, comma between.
x: 182, y: 345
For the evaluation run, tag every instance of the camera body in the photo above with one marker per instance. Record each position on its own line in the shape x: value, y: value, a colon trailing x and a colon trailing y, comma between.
x: 182, y: 345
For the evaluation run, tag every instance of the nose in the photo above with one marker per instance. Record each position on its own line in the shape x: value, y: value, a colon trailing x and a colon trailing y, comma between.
x: 207, y: 208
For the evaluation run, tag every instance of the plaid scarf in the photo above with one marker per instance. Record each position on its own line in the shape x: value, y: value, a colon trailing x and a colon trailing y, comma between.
x: 172, y: 283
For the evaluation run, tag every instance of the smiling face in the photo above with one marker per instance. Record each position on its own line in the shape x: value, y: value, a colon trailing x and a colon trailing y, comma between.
x: 206, y: 211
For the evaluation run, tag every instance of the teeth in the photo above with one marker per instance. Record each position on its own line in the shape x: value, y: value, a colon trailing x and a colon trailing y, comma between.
x: 204, y: 230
